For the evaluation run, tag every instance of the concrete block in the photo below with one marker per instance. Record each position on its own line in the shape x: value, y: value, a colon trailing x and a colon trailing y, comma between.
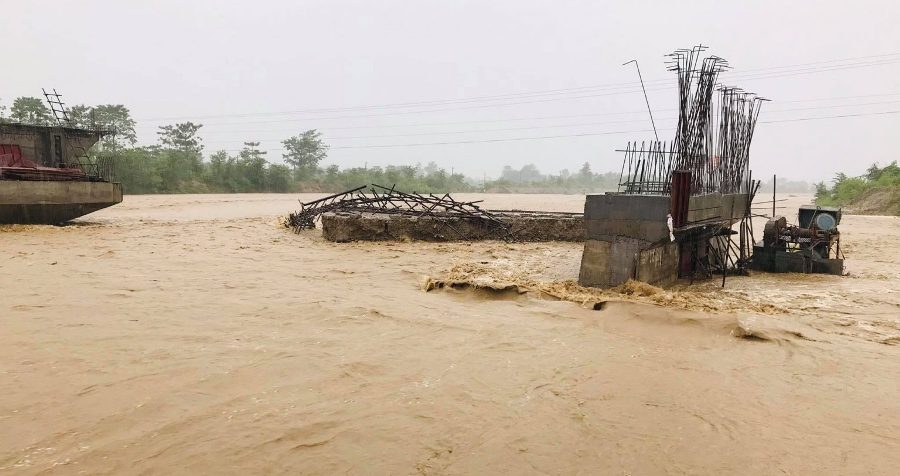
x: 645, y: 230
x: 609, y: 263
x: 627, y: 207
x: 595, y: 263
x: 658, y: 265
x: 715, y: 205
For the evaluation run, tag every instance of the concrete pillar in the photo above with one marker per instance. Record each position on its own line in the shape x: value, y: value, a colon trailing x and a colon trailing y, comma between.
x: 627, y: 237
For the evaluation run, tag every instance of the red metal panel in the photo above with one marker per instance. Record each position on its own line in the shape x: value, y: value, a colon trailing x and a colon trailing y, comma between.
x: 681, y: 196
x: 12, y: 157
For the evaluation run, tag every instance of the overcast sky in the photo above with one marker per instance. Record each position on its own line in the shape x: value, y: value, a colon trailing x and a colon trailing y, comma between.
x: 468, y: 74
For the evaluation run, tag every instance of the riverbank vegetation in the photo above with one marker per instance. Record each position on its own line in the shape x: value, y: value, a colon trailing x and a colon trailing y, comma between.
x: 877, y: 192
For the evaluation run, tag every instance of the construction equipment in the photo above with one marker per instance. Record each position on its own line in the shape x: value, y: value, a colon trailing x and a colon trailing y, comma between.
x: 812, y: 246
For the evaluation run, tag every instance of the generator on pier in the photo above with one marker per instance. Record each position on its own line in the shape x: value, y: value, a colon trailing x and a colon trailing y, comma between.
x: 813, y: 246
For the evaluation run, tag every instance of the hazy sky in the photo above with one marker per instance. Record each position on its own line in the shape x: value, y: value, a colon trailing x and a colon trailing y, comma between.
x: 385, y: 73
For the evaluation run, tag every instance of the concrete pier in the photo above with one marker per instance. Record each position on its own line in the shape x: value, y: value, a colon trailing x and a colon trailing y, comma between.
x: 54, y: 202
x: 525, y: 226
x: 628, y: 236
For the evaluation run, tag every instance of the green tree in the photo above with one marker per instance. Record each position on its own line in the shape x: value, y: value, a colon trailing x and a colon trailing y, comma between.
x: 114, y: 118
x: 182, y: 160
x: 331, y: 173
x: 218, y: 170
x: 839, y: 178
x: 182, y: 136
x: 530, y: 173
x: 178, y: 170
x: 30, y: 110
x: 873, y: 172
x: 304, y: 152
x: 278, y: 178
x: 889, y: 175
x: 432, y: 168
x: 2, y: 113
x: 822, y: 192
x: 138, y: 170
x: 253, y: 164
x: 585, y: 170
x: 80, y: 116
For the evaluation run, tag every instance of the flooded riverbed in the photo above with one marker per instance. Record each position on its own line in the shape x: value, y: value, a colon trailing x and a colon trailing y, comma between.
x: 193, y: 334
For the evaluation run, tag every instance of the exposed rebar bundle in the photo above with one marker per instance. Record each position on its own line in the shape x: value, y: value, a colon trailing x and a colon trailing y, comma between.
x: 712, y: 142
x: 693, y: 136
x: 647, y: 168
x: 738, y: 112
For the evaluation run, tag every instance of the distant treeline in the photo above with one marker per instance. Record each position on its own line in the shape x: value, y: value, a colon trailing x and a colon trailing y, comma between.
x: 178, y: 164
x: 158, y: 169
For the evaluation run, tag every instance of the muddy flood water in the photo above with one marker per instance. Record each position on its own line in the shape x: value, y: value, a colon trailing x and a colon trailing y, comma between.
x: 193, y: 334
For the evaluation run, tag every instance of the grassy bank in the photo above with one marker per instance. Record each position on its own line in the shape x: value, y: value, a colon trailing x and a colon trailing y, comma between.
x: 875, y: 193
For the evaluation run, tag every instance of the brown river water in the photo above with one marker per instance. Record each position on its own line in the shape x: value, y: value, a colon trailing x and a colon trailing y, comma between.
x: 192, y: 334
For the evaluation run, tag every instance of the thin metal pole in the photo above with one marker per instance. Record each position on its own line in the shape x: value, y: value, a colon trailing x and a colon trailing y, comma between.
x: 645, y: 96
x: 773, y: 196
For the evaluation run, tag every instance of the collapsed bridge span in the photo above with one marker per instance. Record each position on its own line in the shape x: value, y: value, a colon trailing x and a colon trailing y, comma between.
x: 379, y: 213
